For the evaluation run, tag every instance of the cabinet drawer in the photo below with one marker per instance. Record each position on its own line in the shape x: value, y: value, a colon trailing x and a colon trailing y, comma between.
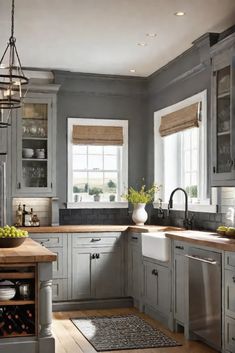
x: 230, y: 334
x: 59, y: 289
x: 230, y: 260
x: 49, y: 239
x: 134, y: 238
x: 95, y: 240
x: 179, y: 247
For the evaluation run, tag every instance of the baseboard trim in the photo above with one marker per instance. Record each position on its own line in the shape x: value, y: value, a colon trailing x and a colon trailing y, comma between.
x: 157, y: 315
x: 126, y: 302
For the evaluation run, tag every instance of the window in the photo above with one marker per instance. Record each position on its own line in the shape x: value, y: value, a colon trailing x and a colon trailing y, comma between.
x: 181, y: 158
x: 97, y: 171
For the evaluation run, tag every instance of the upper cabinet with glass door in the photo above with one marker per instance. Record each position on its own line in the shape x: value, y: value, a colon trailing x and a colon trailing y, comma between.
x: 34, y: 156
x: 223, y: 112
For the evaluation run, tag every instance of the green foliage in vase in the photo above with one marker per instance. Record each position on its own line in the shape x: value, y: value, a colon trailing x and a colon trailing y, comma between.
x: 141, y: 196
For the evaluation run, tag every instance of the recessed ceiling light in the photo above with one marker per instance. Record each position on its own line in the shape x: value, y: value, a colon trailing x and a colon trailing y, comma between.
x: 142, y: 44
x: 179, y: 13
x: 151, y: 35
x: 132, y: 71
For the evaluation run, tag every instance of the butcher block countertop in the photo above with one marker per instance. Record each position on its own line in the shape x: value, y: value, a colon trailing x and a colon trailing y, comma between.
x: 210, y: 239
x: 28, y: 252
x: 98, y: 228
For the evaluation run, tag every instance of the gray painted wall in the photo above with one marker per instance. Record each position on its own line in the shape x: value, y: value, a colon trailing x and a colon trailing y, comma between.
x: 106, y: 97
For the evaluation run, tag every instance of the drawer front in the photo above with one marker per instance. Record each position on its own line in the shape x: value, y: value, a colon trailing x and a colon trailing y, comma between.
x: 49, y: 239
x: 180, y: 247
x: 230, y: 334
x: 59, y: 289
x: 230, y: 260
x: 91, y: 240
x: 230, y: 293
x: 134, y: 238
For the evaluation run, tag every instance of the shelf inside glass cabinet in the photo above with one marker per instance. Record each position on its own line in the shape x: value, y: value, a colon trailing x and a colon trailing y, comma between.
x: 34, y: 173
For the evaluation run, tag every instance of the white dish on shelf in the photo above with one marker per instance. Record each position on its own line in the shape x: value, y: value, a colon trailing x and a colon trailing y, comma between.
x: 27, y: 152
x: 7, y: 293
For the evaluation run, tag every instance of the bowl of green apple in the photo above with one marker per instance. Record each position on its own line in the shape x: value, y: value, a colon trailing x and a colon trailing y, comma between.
x: 11, y: 237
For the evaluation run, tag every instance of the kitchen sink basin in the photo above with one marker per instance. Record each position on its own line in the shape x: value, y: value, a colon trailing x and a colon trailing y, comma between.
x: 156, y: 246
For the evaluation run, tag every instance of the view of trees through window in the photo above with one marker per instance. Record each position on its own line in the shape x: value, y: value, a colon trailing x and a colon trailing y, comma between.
x: 96, y: 173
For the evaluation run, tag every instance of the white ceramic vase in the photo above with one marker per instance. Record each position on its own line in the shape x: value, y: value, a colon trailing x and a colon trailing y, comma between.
x: 139, y: 215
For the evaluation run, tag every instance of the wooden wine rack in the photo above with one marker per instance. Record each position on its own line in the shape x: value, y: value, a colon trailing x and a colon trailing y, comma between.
x: 26, y: 273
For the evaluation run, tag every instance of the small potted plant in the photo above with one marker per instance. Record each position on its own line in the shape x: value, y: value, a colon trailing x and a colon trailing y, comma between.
x: 96, y: 192
x: 139, y: 198
x: 112, y: 187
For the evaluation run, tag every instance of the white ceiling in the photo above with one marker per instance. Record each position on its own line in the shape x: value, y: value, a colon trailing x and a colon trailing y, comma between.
x: 100, y: 36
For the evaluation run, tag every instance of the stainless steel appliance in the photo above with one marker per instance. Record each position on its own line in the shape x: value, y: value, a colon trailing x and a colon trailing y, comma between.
x: 205, y: 295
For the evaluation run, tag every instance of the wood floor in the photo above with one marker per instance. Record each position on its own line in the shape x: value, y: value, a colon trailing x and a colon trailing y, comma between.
x: 69, y: 340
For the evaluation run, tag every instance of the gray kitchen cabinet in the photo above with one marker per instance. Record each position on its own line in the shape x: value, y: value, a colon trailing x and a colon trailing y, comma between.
x: 229, y: 334
x: 58, y: 244
x: 97, y: 266
x: 179, y: 283
x: 230, y: 293
x: 34, y: 144
x: 157, y: 287
x: 3, y: 140
x: 223, y: 111
x: 82, y: 269
x: 135, y: 269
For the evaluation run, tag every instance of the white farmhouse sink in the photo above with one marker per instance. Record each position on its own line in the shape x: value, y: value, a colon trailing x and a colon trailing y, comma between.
x: 156, y: 246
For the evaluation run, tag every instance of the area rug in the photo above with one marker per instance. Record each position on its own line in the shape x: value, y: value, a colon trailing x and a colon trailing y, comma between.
x: 112, y: 333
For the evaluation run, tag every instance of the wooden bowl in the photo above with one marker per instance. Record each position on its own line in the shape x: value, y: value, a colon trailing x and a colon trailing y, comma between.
x: 11, y: 242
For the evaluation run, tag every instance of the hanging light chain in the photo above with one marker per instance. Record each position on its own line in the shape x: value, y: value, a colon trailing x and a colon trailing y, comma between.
x: 12, y: 18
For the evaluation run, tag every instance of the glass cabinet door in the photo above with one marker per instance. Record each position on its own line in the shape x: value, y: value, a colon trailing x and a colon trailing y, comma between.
x: 34, y: 145
x: 223, y: 121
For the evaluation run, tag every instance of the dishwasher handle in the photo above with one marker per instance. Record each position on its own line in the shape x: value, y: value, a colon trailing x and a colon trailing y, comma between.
x: 207, y: 261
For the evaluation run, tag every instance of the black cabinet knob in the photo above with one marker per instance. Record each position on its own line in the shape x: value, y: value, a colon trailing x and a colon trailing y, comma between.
x: 97, y: 256
x: 155, y: 272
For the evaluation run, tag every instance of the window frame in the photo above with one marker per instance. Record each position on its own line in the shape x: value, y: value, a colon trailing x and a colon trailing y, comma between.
x: 207, y: 204
x: 124, y: 171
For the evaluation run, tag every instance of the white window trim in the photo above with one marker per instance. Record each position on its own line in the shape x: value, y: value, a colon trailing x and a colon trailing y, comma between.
x: 124, y: 178
x: 208, y: 205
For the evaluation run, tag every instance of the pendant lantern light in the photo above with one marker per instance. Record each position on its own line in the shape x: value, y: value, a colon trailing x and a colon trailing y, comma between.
x: 12, y: 77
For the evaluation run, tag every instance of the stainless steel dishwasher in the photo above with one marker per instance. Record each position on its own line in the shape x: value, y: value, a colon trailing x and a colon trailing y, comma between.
x: 205, y: 295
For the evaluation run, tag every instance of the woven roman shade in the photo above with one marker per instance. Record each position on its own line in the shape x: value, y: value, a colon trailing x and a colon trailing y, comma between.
x: 180, y: 120
x: 97, y: 135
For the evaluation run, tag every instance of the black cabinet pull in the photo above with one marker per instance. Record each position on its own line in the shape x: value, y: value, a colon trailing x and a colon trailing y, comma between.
x: 95, y: 239
x: 134, y: 238
x: 44, y: 241
x: 233, y: 279
x: 93, y: 256
x: 179, y: 247
x: 97, y: 256
x: 233, y: 338
x: 19, y: 185
x: 155, y: 272
x: 214, y: 170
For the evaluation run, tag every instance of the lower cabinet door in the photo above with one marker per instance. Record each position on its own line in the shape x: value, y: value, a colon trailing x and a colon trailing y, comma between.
x: 59, y: 289
x: 82, y: 264
x: 157, y: 287
x: 229, y: 292
x: 107, y: 274
x: 150, y: 284
x: 229, y: 334
x: 179, y: 287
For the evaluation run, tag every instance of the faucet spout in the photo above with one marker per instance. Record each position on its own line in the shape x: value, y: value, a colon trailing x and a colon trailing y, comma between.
x: 170, y: 205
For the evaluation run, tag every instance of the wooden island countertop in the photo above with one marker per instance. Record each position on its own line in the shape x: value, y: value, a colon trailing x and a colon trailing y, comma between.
x: 28, y: 252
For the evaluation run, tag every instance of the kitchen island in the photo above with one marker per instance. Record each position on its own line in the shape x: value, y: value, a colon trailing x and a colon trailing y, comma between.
x: 26, y: 318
